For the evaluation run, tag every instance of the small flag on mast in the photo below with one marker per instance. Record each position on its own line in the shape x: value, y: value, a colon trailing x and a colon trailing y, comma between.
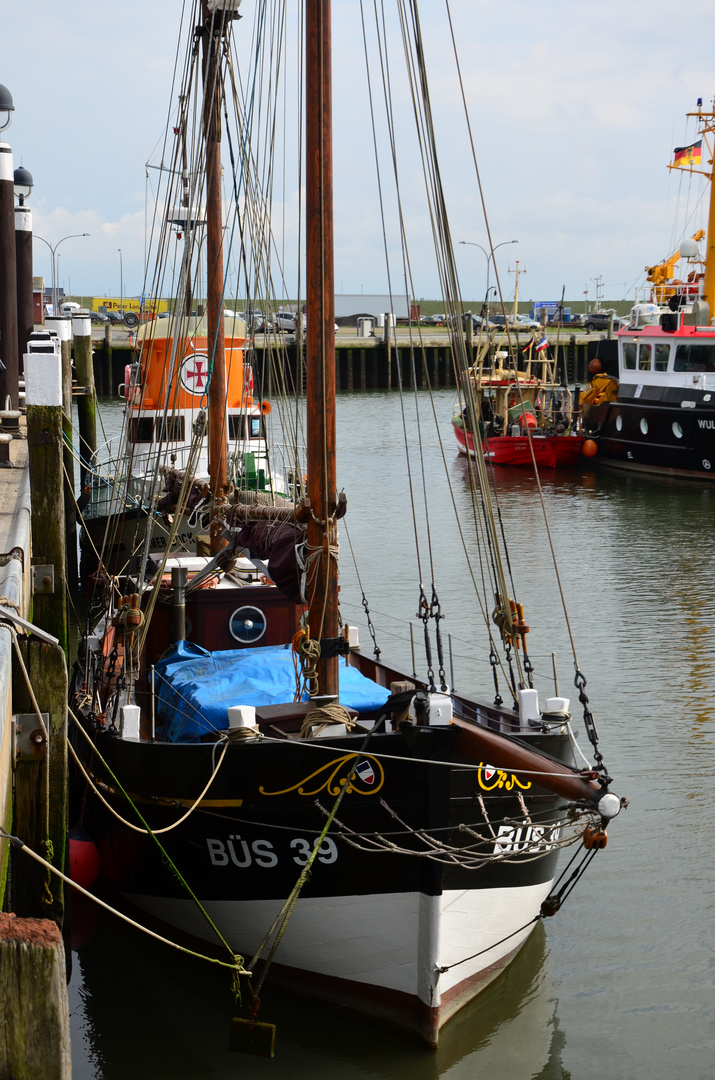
x: 543, y: 344
x: 687, y: 156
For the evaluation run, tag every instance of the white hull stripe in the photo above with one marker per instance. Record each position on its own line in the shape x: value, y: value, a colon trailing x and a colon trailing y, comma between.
x: 394, y: 942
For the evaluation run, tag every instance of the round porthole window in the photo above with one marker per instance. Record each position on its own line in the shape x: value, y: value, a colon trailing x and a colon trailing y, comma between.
x: 644, y: 425
x: 619, y: 423
x: 677, y: 430
x: 247, y: 625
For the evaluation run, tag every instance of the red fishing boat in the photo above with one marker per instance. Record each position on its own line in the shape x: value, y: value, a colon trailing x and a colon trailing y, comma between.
x: 523, y: 417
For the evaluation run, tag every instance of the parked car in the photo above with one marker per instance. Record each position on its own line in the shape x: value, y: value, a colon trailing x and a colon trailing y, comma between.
x: 478, y: 323
x: 521, y: 322
x: 113, y: 316
x: 98, y: 317
x: 600, y: 320
x: 284, y: 322
x: 434, y: 320
x: 256, y: 321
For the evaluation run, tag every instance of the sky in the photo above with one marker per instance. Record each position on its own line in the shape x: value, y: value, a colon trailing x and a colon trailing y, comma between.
x: 575, y: 110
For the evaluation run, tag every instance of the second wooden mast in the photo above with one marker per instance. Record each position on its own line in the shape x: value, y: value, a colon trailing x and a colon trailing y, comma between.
x: 320, y: 342
x: 214, y: 25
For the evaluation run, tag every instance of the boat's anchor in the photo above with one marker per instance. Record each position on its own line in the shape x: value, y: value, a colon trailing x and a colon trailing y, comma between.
x: 252, y: 1036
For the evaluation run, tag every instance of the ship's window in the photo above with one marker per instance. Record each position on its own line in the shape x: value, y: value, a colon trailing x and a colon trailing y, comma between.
x: 644, y: 357
x: 173, y: 429
x: 629, y: 356
x: 695, y: 357
x: 677, y: 430
x: 247, y: 625
x: 662, y: 355
x: 245, y: 427
x: 644, y: 425
x: 619, y: 422
x: 141, y: 429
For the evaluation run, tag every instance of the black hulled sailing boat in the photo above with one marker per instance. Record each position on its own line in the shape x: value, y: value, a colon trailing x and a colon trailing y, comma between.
x: 382, y: 843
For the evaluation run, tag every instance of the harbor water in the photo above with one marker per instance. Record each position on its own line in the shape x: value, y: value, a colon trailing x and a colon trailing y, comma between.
x: 620, y: 983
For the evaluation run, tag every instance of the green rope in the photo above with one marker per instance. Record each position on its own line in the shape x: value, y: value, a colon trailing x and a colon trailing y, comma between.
x: 165, y: 856
x: 236, y: 966
x: 283, y: 916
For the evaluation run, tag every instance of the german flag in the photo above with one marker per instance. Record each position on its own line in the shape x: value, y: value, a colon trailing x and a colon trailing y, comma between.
x: 687, y: 156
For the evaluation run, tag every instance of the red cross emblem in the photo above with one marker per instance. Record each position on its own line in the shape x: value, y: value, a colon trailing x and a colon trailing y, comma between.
x: 194, y: 373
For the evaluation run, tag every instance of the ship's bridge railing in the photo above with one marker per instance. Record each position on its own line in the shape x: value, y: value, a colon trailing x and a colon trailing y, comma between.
x: 687, y: 291
x: 118, y: 481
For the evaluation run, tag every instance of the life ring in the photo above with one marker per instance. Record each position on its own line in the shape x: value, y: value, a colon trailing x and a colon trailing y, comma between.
x: 266, y: 407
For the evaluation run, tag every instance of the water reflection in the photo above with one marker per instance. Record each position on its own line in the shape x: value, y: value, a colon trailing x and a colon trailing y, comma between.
x: 141, y: 1010
x: 628, y: 955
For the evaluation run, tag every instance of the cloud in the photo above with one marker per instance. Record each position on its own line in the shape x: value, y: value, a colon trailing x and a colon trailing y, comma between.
x: 574, y: 109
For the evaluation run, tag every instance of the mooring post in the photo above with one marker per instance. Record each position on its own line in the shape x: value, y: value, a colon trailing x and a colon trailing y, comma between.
x: 35, y: 1028
x: 23, y: 261
x: 43, y: 394
x: 86, y: 402
x: 9, y: 373
x: 62, y: 325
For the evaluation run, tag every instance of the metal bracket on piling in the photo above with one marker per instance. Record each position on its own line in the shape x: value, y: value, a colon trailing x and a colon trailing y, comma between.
x: 29, y: 742
x: 43, y: 579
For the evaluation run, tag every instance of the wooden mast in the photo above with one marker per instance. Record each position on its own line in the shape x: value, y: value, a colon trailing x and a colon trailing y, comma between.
x: 213, y: 30
x: 320, y: 339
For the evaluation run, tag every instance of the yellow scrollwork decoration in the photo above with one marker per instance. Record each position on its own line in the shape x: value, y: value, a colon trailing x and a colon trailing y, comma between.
x: 328, y: 778
x: 504, y: 780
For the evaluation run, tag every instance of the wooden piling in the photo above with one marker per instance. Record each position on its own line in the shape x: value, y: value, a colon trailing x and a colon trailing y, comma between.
x: 40, y: 811
x: 23, y: 262
x: 62, y: 325
x: 86, y: 402
x: 43, y: 392
x: 34, y: 1029
x: 9, y: 373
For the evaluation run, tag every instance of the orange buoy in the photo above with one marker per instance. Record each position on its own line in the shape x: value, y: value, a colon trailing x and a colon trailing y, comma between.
x: 84, y: 858
x: 589, y: 448
x: 266, y: 407
x: 594, y: 838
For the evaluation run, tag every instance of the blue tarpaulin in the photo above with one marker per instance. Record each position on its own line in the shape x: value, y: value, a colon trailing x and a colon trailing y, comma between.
x: 195, y: 688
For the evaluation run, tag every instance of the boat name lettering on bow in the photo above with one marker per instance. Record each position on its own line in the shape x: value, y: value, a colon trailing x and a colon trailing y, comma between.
x: 513, y: 838
x: 237, y: 852
x: 706, y: 424
x: 491, y: 778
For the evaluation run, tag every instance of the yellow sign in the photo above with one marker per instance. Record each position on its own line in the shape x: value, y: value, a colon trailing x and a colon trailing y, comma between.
x: 129, y: 303
x: 491, y: 778
x: 367, y: 778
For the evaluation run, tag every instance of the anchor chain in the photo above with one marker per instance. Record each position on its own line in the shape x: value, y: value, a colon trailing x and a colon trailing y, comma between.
x: 590, y: 725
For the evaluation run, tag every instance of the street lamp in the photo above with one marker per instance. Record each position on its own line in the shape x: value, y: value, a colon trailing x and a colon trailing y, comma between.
x: 121, y: 283
x: 489, y: 255
x: 22, y: 184
x: 6, y: 107
x: 9, y: 358
x: 72, y: 236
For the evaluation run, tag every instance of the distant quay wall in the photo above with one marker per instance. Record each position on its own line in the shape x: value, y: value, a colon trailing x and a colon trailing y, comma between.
x: 361, y: 363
